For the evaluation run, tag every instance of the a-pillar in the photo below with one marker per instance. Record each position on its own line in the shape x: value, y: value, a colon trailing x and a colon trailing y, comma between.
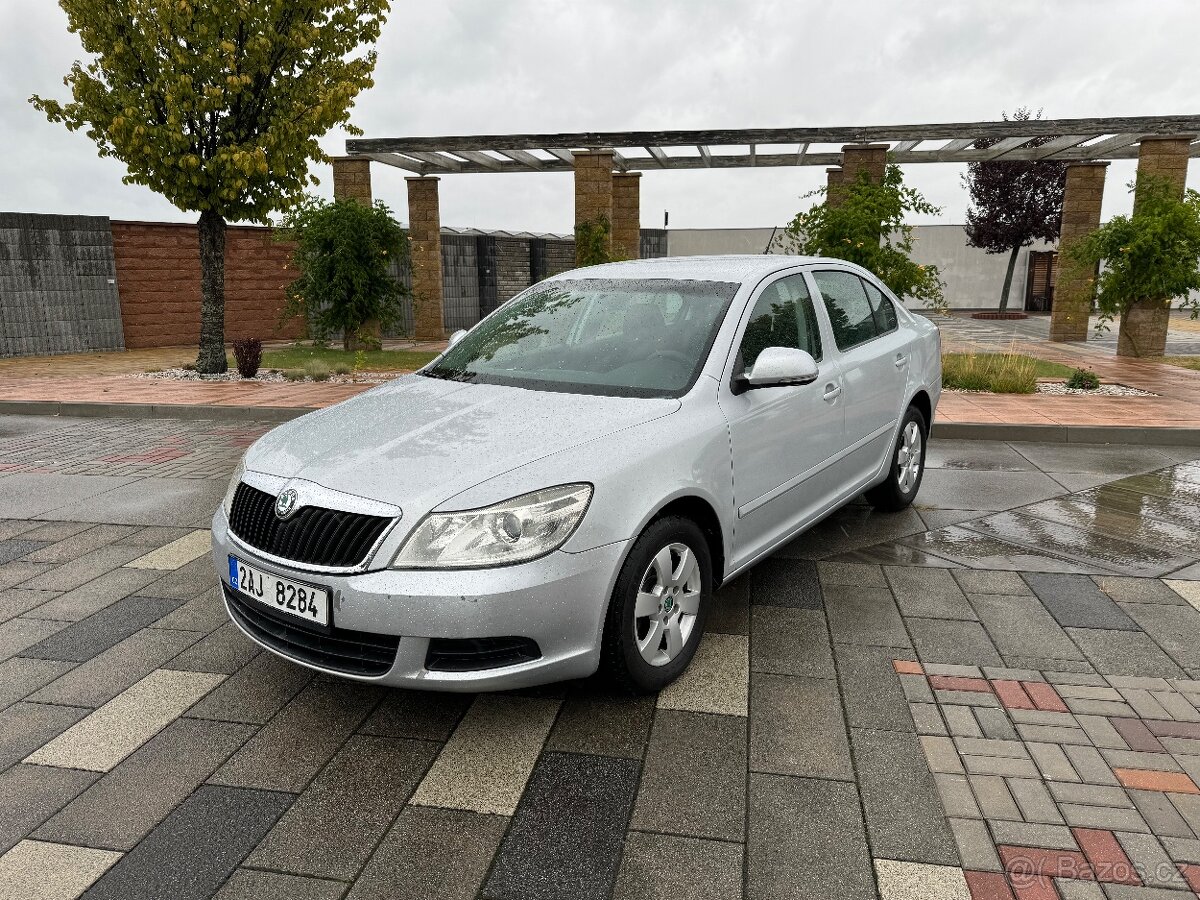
x: 593, y: 195
x: 1144, y: 327
x: 352, y: 178
x: 425, y: 238
x: 627, y: 215
x: 1075, y: 286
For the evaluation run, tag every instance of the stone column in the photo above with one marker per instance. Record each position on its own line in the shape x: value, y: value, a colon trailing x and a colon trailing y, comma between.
x: 1143, y: 329
x: 425, y: 236
x: 627, y: 215
x: 352, y: 178
x: 593, y: 190
x: 833, y: 186
x: 869, y: 158
x: 1075, y: 288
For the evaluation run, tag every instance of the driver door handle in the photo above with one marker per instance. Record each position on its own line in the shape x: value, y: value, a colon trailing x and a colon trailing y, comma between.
x: 832, y: 392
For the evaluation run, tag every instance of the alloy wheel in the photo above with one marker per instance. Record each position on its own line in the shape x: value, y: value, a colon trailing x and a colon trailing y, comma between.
x: 908, y: 457
x: 667, y: 603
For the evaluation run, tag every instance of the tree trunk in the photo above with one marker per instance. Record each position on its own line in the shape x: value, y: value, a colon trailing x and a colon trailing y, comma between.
x: 1012, y: 264
x: 211, y: 360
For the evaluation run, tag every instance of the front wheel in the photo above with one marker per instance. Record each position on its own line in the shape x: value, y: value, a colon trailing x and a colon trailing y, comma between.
x: 657, y: 612
x: 907, y: 467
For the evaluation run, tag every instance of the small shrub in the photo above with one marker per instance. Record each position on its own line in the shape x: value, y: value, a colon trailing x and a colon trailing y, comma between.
x: 294, y: 375
x: 189, y: 367
x: 1084, y: 380
x: 360, y: 360
x: 248, y: 354
x: 1000, y: 373
x: 342, y: 369
x: 153, y: 371
x: 317, y: 370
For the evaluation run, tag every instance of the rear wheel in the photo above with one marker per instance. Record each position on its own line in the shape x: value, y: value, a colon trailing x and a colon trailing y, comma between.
x: 658, y: 608
x: 907, y: 468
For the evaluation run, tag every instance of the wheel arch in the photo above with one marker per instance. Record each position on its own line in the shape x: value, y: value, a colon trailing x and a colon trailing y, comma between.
x: 702, y: 512
x: 924, y: 405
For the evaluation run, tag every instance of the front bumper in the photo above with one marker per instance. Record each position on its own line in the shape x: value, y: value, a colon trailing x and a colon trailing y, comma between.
x: 559, y: 601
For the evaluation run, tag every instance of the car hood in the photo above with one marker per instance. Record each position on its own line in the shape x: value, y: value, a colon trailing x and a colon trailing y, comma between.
x: 417, y: 441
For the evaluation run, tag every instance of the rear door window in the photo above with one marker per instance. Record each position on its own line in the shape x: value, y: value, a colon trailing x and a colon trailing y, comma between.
x: 885, y: 313
x: 850, y: 312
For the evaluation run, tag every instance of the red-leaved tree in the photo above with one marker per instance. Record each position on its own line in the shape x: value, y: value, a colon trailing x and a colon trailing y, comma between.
x: 1014, y: 202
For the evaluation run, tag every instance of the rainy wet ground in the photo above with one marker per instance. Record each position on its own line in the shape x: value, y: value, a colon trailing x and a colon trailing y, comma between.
x: 995, y: 694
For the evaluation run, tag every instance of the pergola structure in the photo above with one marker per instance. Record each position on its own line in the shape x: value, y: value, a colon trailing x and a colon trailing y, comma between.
x: 608, y: 165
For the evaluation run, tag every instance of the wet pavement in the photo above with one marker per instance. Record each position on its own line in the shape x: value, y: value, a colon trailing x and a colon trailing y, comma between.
x: 995, y: 694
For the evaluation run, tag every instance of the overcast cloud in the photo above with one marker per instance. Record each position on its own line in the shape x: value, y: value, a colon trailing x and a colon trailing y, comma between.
x: 482, y: 66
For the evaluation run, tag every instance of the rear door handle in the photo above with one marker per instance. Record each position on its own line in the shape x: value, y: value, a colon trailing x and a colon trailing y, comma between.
x: 901, y: 360
x: 832, y: 392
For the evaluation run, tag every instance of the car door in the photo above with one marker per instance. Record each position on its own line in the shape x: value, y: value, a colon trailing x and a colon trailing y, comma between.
x: 782, y: 438
x: 872, y: 364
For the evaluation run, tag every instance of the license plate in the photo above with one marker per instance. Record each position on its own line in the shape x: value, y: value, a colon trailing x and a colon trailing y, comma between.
x: 300, y: 600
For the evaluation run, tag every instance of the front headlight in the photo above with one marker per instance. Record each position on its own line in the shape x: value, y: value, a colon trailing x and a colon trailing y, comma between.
x: 513, y: 531
x: 234, y: 481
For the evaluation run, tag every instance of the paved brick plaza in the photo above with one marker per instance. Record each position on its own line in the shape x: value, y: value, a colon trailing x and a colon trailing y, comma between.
x: 993, y: 696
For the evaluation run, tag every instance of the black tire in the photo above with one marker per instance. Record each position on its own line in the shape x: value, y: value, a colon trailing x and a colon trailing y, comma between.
x: 621, y: 661
x: 892, y: 494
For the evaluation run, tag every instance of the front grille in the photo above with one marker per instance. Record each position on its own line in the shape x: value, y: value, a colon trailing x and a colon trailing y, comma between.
x: 313, y: 535
x: 338, y: 649
x: 473, y: 654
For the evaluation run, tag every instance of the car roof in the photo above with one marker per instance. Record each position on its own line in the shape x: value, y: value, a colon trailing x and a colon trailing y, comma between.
x: 735, y: 268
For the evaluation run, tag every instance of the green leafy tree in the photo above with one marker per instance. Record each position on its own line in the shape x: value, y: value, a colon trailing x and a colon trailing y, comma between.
x: 866, y: 226
x: 217, y: 105
x: 1150, y: 258
x: 345, y: 251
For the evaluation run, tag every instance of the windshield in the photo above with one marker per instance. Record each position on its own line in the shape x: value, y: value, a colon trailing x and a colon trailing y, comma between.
x: 622, y: 337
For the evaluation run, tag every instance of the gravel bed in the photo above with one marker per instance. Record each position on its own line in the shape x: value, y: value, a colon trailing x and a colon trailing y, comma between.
x: 267, y: 376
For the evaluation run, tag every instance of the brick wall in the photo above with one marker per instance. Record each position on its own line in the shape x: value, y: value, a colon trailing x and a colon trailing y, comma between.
x: 158, y: 278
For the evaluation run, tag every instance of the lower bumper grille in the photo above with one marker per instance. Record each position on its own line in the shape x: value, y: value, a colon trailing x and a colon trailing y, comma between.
x: 475, y: 654
x: 338, y: 649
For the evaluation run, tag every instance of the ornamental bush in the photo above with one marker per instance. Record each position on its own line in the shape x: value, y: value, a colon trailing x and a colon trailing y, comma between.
x: 247, y: 353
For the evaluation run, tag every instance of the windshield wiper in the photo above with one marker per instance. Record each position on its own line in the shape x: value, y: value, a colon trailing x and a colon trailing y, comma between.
x: 450, y: 374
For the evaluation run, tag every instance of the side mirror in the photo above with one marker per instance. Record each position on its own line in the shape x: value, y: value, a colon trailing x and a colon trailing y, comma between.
x: 456, y: 337
x: 778, y: 366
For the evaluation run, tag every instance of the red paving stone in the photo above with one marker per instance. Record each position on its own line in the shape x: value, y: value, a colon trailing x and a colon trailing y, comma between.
x: 988, y: 886
x: 1191, y: 874
x: 906, y: 667
x: 1108, y: 861
x: 1012, y: 695
x: 1137, y: 735
x: 1167, y: 782
x: 1035, y: 887
x: 1186, y: 730
x: 957, y: 683
x: 1044, y: 697
x: 1025, y: 861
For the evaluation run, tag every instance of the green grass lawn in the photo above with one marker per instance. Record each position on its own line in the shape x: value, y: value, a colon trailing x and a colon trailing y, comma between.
x: 1187, y: 362
x: 1000, y: 373
x: 295, y: 357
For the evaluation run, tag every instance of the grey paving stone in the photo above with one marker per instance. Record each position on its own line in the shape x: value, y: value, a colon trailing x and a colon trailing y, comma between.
x: 1091, y: 795
x: 424, y: 856
x: 1188, y: 806
x: 1052, y: 762
x: 941, y: 755
x: 1160, y: 814
x: 123, y: 806
x: 850, y: 528
x: 1053, y: 734
x: 20, y: 572
x: 225, y: 651
x: 15, y: 601
x: 995, y: 724
x: 945, y: 641
x: 15, y: 549
x: 1104, y: 817
x: 961, y: 722
x: 699, y: 869
x: 154, y: 536
x: 1020, y: 625
x: 196, y: 848
x: 976, y: 456
x: 1043, y: 717
x: 151, y: 501
x: 1138, y: 590
x: 916, y: 689
x: 711, y: 804
x: 1183, y: 849
x: 984, y: 581
x: 975, y: 847
x: 1076, y: 602
x: 953, y: 670
x: 806, y: 841
x: 796, y: 727
x: 1007, y: 673
x: 949, y: 489
x: 1030, y: 834
x: 307, y: 732
x: 1034, y: 801
x: 18, y: 635
x: 1123, y: 652
x: 940, y: 518
x: 80, y: 571
x: 790, y: 642
x: 31, y: 794
x: 25, y: 496
x: 1150, y: 861
x: 1011, y: 749
x: 1090, y: 765
x: 873, y: 697
x: 904, y: 818
x: 859, y: 574
x: 95, y: 595
x: 601, y: 725
x: 75, y: 546
x: 928, y: 593
x: 26, y: 726
x: 332, y: 827
x: 1063, y: 666
x: 186, y: 582
x: 956, y: 796
x: 729, y: 612
x: 203, y: 614
x: 785, y: 582
x: 998, y: 765
x: 248, y: 884
x: 100, y: 631
x: 263, y: 687
x: 20, y: 677
x: 566, y: 837
x: 927, y: 718
x: 864, y: 616
x: 994, y: 799
x: 1176, y: 629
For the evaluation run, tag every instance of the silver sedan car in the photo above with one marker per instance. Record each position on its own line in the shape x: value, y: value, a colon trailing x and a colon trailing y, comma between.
x: 565, y: 487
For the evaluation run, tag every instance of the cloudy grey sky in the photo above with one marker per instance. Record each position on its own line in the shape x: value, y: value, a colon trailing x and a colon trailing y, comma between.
x: 482, y: 66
